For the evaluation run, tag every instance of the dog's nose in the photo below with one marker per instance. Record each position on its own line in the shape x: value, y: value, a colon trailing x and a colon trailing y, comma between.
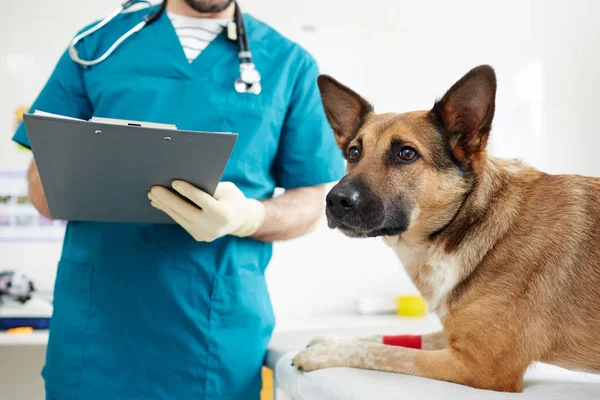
x: 342, y: 200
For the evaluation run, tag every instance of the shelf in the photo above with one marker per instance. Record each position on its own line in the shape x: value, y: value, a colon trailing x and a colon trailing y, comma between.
x: 36, y: 338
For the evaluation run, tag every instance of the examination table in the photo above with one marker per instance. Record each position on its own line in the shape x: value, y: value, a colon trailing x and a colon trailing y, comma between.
x: 542, y: 382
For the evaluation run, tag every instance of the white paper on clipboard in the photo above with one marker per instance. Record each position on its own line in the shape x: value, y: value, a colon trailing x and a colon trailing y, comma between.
x: 111, y: 121
x: 47, y: 114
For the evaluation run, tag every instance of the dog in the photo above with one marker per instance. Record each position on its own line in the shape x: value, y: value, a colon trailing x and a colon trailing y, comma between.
x: 508, y: 257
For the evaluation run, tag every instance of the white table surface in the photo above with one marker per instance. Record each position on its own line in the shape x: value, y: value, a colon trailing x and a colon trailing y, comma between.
x: 541, y: 381
x: 36, y: 338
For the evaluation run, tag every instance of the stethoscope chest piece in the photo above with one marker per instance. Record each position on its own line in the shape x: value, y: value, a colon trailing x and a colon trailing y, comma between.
x: 249, y: 80
x: 243, y: 87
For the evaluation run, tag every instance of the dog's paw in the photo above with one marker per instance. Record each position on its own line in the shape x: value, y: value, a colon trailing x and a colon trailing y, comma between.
x: 315, y: 357
x: 329, y: 355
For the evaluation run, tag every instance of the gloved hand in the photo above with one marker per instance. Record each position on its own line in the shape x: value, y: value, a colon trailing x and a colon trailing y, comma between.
x: 229, y: 212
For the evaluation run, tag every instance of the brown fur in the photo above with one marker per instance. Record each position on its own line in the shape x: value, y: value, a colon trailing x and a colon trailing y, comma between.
x: 508, y: 256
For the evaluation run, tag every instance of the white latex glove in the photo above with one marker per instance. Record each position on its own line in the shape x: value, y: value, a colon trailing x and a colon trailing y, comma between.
x: 229, y: 212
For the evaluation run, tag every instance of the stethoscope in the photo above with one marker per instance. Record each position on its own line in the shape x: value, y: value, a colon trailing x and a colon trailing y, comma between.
x: 249, y: 80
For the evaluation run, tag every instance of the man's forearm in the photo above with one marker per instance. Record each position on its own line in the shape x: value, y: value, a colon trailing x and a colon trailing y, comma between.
x: 36, y: 192
x: 293, y: 214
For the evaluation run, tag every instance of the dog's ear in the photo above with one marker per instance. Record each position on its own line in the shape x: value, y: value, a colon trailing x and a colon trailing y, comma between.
x: 345, y: 109
x: 466, y: 111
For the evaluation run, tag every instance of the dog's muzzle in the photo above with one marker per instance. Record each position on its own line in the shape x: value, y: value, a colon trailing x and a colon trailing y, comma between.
x: 358, y: 212
x: 354, y: 209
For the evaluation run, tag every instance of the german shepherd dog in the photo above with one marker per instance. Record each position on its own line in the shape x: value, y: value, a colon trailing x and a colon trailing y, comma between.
x: 507, y: 256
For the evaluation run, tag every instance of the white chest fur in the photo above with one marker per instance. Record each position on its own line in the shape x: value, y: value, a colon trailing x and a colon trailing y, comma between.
x: 433, y: 272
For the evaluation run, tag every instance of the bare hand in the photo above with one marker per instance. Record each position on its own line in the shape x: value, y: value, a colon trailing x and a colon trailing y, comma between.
x: 36, y: 192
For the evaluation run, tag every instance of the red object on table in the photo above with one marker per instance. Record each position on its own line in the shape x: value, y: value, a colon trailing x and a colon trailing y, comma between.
x: 410, y: 341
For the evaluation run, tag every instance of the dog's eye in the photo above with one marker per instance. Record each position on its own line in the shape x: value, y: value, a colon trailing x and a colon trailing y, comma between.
x: 353, y: 154
x: 407, y: 154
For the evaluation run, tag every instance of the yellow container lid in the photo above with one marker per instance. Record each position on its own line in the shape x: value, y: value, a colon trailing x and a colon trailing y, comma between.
x: 411, y: 306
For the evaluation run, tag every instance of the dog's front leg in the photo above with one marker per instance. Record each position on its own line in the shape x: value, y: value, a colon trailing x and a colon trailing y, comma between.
x: 431, y: 341
x: 445, y: 364
x: 364, y: 355
x: 434, y: 341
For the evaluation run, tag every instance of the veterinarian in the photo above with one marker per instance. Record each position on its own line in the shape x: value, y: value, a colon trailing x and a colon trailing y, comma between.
x: 145, y: 311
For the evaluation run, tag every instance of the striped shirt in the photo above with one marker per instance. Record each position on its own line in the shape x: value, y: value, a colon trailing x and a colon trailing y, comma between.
x: 196, y: 33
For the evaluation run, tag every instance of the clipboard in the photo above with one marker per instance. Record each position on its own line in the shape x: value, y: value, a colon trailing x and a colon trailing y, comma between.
x: 101, y: 170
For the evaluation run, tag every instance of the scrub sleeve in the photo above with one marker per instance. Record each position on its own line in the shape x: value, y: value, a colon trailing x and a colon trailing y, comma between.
x: 308, y: 154
x: 63, y: 94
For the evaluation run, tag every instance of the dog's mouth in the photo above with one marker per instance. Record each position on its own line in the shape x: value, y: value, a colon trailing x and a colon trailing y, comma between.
x: 362, y: 232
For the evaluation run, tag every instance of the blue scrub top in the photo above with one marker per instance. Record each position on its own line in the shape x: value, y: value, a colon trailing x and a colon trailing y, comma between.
x: 142, y: 311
